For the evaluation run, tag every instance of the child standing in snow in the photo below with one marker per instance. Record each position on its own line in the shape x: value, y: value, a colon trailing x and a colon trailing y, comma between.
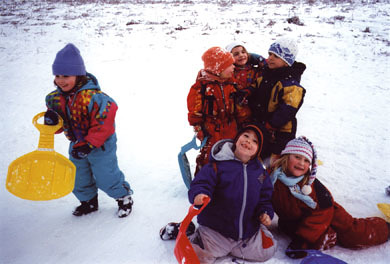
x: 212, y: 110
x: 246, y: 65
x: 246, y: 69
x: 234, y: 222
x: 307, y: 212
x: 277, y: 96
x: 89, y: 124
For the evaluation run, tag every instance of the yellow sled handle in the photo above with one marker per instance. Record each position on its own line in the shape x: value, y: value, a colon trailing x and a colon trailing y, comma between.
x: 46, y: 137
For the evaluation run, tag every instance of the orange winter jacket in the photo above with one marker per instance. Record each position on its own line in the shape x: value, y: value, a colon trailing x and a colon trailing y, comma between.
x: 211, y: 105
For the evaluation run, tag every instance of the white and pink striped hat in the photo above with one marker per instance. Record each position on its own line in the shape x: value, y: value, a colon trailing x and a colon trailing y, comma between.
x: 304, y: 147
x: 299, y: 146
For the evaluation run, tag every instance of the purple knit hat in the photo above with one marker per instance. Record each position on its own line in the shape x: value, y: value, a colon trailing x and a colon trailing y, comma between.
x: 69, y: 62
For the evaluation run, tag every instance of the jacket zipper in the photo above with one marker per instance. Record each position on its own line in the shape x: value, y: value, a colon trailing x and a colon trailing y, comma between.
x: 244, y: 195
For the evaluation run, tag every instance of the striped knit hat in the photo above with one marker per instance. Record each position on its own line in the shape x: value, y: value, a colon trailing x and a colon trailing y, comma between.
x: 304, y: 147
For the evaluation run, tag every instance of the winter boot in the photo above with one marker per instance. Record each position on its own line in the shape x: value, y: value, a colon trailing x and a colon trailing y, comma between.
x: 125, y: 205
x: 87, y: 207
x: 171, y: 230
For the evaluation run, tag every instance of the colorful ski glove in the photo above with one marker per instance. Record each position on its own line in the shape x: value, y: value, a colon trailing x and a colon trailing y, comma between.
x: 81, y: 150
x: 51, y: 118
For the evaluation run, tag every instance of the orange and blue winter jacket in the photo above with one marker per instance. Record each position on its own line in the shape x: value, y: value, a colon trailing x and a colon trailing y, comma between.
x: 88, y: 113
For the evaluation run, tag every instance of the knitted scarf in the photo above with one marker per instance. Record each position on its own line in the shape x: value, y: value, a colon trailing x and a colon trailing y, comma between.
x: 292, y: 184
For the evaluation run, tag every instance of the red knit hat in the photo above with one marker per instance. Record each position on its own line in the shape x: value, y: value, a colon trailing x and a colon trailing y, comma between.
x: 217, y: 59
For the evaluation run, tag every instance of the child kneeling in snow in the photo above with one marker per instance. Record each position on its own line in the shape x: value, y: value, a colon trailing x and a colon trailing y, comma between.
x: 307, y: 212
x: 234, y: 222
x: 89, y: 124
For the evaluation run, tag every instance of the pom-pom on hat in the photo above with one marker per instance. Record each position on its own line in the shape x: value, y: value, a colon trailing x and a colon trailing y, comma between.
x: 69, y: 62
x: 304, y: 147
x: 286, y: 49
x: 217, y: 59
x: 234, y: 44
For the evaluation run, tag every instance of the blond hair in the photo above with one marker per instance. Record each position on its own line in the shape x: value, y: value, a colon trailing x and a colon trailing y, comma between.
x: 282, y: 162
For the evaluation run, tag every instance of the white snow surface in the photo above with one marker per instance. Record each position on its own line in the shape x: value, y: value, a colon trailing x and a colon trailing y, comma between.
x: 146, y: 56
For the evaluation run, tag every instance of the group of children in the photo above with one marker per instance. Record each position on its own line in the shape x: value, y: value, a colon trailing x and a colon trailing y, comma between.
x: 247, y: 106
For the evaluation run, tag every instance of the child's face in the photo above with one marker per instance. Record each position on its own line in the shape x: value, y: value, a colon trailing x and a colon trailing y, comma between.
x: 240, y: 56
x: 297, y: 165
x: 246, y: 146
x: 274, y: 62
x: 227, y: 73
x: 66, y: 83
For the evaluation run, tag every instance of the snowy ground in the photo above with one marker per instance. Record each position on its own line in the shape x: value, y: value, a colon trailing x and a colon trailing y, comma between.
x: 146, y: 56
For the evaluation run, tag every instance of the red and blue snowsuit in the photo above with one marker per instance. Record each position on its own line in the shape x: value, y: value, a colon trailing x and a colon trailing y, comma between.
x: 89, y: 116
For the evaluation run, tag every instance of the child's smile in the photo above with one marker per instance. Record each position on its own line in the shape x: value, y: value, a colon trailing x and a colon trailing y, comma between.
x: 66, y: 83
x: 246, y: 146
x: 297, y: 165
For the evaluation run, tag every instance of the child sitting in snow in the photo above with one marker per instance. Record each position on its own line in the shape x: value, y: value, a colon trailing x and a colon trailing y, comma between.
x: 235, y: 220
x: 212, y: 110
x: 277, y: 96
x: 306, y: 209
x: 89, y: 117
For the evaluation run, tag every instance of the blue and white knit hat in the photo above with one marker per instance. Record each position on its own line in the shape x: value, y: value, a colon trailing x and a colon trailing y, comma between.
x: 69, y: 62
x: 286, y: 49
x: 304, y: 147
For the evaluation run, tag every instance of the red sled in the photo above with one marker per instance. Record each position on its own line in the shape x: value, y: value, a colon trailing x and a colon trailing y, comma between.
x: 184, y: 252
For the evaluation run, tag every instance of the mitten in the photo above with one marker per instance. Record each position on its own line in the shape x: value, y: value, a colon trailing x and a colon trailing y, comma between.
x: 296, y: 249
x: 271, y: 130
x: 81, y: 150
x: 200, y: 132
x: 241, y: 97
x: 51, y: 118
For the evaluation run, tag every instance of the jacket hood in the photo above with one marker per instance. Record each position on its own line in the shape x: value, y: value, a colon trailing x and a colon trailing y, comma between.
x: 222, y: 150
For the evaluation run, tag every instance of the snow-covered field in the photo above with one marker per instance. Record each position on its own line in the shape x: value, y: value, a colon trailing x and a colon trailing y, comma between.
x: 146, y: 56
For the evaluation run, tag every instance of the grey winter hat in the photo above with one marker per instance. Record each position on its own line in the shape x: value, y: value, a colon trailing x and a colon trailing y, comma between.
x: 69, y: 62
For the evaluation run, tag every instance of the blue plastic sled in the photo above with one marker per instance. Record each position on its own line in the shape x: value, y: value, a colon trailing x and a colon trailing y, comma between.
x: 317, y: 257
x: 183, y: 161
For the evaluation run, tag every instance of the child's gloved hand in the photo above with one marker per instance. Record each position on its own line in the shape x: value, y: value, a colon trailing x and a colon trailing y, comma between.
x: 200, y: 133
x: 81, y: 150
x: 51, y: 118
x: 241, y: 97
x: 296, y: 249
x: 265, y: 219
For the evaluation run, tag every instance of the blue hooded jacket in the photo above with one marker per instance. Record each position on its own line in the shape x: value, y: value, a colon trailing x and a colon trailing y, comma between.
x: 239, y: 193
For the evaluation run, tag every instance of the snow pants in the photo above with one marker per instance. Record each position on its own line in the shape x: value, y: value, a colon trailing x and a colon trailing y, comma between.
x: 358, y: 232
x: 99, y: 170
x: 210, y: 245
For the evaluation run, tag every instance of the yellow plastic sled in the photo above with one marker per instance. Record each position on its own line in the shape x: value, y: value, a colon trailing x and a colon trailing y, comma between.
x: 43, y: 174
x: 385, y: 209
